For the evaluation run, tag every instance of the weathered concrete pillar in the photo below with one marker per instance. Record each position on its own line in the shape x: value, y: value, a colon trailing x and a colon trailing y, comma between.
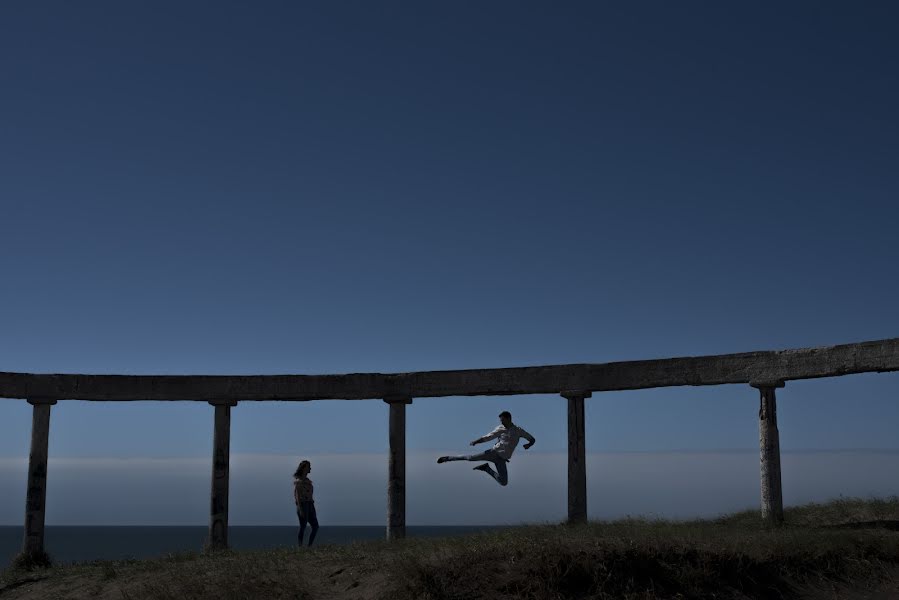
x: 769, y: 447
x: 577, y: 457
x: 36, y: 496
x: 396, y: 468
x: 221, y: 461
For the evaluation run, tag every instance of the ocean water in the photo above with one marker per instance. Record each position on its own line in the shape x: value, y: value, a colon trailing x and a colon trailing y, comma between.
x: 67, y: 544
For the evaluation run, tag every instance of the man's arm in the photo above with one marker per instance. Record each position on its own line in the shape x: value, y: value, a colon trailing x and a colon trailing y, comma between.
x: 528, y: 437
x: 484, y: 438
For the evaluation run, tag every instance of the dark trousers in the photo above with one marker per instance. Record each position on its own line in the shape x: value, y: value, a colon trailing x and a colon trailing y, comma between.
x: 306, y: 514
x: 501, y: 474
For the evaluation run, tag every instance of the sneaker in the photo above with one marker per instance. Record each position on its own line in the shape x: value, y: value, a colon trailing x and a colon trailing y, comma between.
x: 442, y: 459
x: 485, y: 467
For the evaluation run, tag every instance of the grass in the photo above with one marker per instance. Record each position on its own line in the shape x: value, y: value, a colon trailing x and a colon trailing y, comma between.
x: 731, y: 557
x: 28, y: 561
x: 848, y: 544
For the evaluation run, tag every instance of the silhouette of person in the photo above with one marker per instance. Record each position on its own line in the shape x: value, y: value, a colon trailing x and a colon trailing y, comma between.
x: 507, y: 435
x: 302, y: 497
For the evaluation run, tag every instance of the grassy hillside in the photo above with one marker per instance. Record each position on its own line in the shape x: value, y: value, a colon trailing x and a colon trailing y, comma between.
x: 842, y: 549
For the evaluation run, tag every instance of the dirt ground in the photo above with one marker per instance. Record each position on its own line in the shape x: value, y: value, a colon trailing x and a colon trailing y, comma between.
x: 323, y: 581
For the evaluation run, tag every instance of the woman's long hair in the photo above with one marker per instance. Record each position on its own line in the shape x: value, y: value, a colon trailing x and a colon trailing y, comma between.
x: 298, y: 474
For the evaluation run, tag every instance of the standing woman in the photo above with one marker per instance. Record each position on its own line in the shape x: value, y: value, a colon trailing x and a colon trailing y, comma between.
x: 302, y: 497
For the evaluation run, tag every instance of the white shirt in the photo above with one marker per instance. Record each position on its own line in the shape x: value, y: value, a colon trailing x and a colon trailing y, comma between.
x: 507, y: 439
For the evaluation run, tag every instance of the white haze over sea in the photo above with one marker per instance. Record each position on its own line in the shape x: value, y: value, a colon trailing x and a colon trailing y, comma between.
x: 350, y: 489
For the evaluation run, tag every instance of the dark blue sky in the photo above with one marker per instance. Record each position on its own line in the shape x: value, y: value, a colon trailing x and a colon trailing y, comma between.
x: 337, y: 187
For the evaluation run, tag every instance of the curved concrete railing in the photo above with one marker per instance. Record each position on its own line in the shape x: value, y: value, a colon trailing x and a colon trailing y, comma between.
x: 783, y: 365
x: 763, y: 370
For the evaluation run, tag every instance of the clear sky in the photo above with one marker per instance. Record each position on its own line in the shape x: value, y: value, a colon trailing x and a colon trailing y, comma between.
x: 233, y: 188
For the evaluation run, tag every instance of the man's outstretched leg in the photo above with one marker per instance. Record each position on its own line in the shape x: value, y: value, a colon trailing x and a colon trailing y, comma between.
x: 479, y: 456
x: 501, y: 475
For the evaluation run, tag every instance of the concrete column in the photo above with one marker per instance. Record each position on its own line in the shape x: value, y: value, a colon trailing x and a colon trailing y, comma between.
x: 769, y: 447
x: 577, y: 457
x: 36, y: 496
x: 221, y: 460
x: 396, y: 468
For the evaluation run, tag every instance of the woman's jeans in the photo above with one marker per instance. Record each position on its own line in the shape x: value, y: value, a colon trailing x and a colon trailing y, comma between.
x: 306, y: 513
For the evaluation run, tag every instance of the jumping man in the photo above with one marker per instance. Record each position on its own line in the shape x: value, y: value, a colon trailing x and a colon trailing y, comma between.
x: 507, y: 435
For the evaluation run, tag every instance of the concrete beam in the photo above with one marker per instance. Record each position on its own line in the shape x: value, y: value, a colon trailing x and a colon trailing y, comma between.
x: 784, y: 365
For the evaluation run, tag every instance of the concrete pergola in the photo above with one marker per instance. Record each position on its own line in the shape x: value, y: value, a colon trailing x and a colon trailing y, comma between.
x: 765, y: 371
